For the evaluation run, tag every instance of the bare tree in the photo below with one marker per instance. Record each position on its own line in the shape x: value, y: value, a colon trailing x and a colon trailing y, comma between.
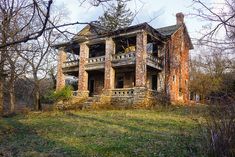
x: 15, y: 67
x: 26, y: 12
x: 39, y: 62
x: 221, y: 17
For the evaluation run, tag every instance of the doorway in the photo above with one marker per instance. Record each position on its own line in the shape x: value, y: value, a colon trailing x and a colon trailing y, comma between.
x: 154, y: 82
x: 91, y: 87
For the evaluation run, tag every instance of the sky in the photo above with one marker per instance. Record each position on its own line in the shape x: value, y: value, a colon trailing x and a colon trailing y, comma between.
x: 163, y: 10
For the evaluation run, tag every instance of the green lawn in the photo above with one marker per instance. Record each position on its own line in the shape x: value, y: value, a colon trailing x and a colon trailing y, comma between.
x: 163, y: 132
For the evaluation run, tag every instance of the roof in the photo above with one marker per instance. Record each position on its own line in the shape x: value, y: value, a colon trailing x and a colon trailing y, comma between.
x: 169, y: 30
x: 92, y: 31
x: 96, y: 31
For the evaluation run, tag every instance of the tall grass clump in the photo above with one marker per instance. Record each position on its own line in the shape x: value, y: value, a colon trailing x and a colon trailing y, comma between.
x: 220, y: 127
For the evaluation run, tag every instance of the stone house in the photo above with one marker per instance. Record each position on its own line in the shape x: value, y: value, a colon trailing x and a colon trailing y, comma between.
x: 128, y: 65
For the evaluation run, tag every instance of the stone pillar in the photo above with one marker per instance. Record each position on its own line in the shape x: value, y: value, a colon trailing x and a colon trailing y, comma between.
x: 109, y: 75
x: 83, y: 75
x: 60, y: 83
x: 141, y: 56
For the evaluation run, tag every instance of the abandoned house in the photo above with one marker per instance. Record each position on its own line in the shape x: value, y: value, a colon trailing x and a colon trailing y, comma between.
x: 129, y: 65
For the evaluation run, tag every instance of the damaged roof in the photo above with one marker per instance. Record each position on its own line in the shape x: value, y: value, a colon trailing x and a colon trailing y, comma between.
x: 169, y: 30
x: 92, y: 31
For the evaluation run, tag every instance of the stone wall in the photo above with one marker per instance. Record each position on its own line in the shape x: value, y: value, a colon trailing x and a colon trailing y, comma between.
x: 178, y: 67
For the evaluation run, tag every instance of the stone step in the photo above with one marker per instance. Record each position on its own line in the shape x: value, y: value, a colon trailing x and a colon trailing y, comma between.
x: 88, y: 103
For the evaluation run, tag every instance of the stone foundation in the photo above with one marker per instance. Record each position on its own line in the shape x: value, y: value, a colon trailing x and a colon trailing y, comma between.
x: 83, y: 94
x: 138, y: 97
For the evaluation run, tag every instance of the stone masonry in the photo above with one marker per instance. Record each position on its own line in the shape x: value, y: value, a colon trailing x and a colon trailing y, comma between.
x: 141, y: 54
x: 60, y: 83
x: 83, y: 75
x: 109, y: 71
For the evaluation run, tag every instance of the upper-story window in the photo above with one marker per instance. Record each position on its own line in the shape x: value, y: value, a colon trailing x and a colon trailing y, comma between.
x: 96, y: 50
x: 125, y: 44
x: 152, y: 48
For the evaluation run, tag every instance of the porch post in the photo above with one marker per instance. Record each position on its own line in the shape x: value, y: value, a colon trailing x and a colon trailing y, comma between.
x: 141, y: 56
x: 83, y: 75
x: 109, y: 75
x: 60, y: 83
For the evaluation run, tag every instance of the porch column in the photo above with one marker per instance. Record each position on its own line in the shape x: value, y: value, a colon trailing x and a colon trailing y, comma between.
x: 141, y: 56
x: 83, y: 75
x: 60, y: 81
x: 109, y: 75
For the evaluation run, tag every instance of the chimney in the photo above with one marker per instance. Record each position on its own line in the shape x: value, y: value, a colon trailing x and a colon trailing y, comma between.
x: 179, y: 18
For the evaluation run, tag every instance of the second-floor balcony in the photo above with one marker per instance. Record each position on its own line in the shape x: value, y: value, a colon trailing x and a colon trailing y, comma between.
x: 72, y: 63
x: 154, y: 62
x: 95, y: 63
x: 70, y: 66
x: 123, y: 59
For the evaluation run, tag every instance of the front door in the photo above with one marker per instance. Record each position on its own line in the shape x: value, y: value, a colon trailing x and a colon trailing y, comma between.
x: 91, y: 87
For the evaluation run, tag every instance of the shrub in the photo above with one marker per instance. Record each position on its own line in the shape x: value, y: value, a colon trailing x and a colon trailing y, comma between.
x: 61, y: 95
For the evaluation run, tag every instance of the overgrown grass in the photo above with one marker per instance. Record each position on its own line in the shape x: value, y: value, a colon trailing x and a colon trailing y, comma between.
x: 172, y: 131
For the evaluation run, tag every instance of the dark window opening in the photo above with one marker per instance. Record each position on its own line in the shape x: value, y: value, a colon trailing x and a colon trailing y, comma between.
x: 155, y: 50
x: 154, y: 82
x: 120, y: 82
x: 97, y: 50
x: 91, y: 87
x: 125, y: 44
x: 180, y: 86
x: 152, y: 48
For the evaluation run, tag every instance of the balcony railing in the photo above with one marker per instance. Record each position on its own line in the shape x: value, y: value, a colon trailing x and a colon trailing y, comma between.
x: 123, y: 56
x: 96, y: 59
x: 123, y: 92
x: 154, y: 61
x: 68, y: 64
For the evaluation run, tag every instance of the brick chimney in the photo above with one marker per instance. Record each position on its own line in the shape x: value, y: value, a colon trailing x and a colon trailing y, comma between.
x: 179, y: 18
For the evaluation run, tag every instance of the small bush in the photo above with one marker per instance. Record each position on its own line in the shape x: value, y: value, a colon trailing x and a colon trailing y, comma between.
x: 61, y: 95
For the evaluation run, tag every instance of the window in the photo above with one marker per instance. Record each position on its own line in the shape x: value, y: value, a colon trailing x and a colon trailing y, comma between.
x: 120, y: 82
x: 173, y: 78
x: 155, y: 50
x: 150, y: 47
x: 180, y: 86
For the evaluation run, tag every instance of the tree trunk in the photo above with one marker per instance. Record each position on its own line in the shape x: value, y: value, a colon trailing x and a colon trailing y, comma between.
x: 1, y: 96
x: 37, y: 102
x: 12, y: 98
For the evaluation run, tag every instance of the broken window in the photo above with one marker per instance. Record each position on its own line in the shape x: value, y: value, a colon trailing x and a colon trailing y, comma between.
x: 125, y: 44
